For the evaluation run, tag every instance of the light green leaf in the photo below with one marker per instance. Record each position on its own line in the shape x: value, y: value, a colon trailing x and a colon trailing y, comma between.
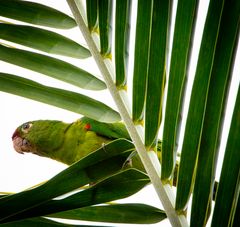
x: 35, y: 13
x: 52, y: 67
x: 43, y: 40
x: 68, y: 100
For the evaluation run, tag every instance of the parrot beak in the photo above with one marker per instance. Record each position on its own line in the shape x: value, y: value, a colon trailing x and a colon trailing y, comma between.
x: 20, y: 145
x: 17, y: 144
x: 15, y: 134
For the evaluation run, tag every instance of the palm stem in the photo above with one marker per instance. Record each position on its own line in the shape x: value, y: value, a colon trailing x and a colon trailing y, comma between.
x: 164, y: 192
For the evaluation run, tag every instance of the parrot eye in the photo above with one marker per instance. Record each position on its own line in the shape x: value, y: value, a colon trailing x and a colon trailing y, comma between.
x: 26, y: 127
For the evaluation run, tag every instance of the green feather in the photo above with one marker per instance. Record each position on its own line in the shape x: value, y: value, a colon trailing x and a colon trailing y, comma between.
x: 68, y: 143
x: 109, y: 130
x: 78, y: 142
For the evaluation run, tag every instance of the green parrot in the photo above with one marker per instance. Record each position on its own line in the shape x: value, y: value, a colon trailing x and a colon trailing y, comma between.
x: 64, y: 142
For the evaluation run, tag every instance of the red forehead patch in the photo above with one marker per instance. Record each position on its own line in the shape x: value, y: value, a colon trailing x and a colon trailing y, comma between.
x: 87, y: 126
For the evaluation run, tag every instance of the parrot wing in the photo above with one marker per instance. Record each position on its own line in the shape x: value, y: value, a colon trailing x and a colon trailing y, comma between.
x: 109, y: 130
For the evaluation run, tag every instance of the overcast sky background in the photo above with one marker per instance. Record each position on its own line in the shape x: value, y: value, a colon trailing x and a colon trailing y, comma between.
x: 18, y: 172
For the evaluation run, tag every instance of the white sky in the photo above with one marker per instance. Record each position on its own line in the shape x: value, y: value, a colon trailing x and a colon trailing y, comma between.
x: 18, y: 172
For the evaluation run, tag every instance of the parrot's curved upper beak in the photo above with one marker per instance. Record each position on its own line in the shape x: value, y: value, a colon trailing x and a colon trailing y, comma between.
x: 20, y: 145
x: 15, y: 134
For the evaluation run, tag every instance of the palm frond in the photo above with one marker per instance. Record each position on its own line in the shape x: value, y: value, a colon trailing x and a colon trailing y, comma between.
x: 194, y: 167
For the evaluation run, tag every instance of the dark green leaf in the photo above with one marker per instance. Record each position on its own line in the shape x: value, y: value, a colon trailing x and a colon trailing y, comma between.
x: 142, y: 45
x: 68, y: 100
x: 92, y: 14
x: 184, y: 25
x: 43, y: 40
x: 197, y: 105
x: 156, y: 75
x: 214, y: 113
x: 52, y: 67
x: 35, y: 222
x: 229, y: 184
x: 97, y: 165
x: 118, y: 186
x: 105, y: 26
x: 122, y: 26
x: 235, y: 216
x: 115, y: 213
x: 35, y: 13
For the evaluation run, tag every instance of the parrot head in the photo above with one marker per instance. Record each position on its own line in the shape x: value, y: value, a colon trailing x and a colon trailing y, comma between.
x: 38, y: 137
x: 20, y: 142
